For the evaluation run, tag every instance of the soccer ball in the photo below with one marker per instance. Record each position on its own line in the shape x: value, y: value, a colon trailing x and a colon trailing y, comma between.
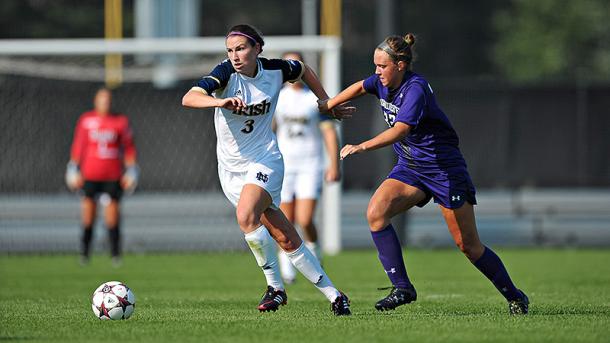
x: 113, y: 300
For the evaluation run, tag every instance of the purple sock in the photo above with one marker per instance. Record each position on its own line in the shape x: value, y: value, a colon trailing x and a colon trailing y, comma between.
x: 491, y: 266
x: 390, y: 255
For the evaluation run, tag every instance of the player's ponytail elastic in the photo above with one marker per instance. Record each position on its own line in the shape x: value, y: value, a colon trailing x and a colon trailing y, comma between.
x: 248, y: 31
x: 409, y: 39
x: 399, y: 48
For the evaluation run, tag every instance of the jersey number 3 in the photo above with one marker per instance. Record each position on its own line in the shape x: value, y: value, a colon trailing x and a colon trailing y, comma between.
x: 249, y: 126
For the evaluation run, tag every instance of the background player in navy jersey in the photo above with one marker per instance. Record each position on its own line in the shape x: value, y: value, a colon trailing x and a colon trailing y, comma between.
x: 301, y: 132
x: 244, y: 91
x: 430, y: 165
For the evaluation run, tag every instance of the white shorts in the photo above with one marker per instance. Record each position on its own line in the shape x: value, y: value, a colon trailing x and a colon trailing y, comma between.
x: 265, y: 174
x: 302, y: 184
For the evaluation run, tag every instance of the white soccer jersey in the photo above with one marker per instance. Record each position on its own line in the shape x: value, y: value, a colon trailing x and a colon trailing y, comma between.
x: 246, y: 136
x: 298, y: 129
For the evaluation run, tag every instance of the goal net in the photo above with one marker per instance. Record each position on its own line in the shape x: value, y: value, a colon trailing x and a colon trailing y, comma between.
x: 45, y: 85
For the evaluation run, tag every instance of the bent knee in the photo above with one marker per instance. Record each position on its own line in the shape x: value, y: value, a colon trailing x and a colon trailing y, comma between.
x: 376, y: 217
x: 247, y: 220
x: 471, y: 250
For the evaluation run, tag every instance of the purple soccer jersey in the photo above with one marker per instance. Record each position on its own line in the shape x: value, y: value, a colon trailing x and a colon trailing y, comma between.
x: 428, y: 157
x: 432, y: 142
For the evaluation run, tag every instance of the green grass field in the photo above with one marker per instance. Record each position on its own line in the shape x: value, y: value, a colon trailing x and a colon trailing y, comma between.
x: 213, y: 298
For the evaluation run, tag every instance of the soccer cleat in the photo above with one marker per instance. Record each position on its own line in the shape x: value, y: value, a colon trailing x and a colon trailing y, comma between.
x: 272, y: 299
x: 397, y: 297
x: 519, y: 306
x: 340, y: 307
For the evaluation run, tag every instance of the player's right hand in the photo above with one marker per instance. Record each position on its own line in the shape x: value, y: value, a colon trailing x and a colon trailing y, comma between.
x: 74, y: 179
x: 338, y: 112
x: 349, y: 149
x: 232, y: 104
x: 342, y: 111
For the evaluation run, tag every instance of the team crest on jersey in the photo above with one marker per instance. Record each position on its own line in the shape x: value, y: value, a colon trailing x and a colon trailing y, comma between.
x: 238, y: 92
x: 262, y: 177
x: 91, y: 123
x: 261, y: 108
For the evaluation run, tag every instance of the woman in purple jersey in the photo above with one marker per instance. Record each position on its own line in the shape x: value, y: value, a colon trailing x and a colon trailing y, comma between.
x: 430, y: 166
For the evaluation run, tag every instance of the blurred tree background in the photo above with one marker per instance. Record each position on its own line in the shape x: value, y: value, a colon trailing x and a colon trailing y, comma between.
x: 514, y: 40
x: 553, y: 39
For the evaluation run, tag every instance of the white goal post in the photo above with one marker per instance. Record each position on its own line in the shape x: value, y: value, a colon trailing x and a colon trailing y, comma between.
x: 328, y: 47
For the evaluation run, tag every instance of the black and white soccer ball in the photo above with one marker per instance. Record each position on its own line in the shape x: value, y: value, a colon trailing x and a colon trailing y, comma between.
x: 113, y: 300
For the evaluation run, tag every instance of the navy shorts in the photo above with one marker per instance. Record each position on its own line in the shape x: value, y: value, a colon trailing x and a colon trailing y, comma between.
x: 449, y: 188
x: 95, y: 188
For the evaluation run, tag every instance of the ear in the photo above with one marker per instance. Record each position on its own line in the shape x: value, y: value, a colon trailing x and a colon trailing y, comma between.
x: 402, y: 65
x: 257, y: 47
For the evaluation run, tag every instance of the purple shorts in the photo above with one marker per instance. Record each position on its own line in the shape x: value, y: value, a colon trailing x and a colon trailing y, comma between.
x: 449, y: 187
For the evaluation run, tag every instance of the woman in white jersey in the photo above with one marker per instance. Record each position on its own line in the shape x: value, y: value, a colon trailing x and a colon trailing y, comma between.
x: 301, y: 129
x: 244, y: 90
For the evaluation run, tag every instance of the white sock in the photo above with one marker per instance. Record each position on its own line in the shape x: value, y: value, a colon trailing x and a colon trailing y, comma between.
x: 265, y: 251
x: 286, y: 267
x: 315, y: 250
x: 310, y: 267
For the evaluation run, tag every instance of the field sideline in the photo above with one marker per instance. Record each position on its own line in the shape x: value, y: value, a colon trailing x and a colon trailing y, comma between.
x: 213, y: 298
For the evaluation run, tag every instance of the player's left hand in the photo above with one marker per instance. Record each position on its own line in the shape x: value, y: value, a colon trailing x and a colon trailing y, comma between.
x: 323, y: 105
x: 73, y: 177
x: 349, y: 149
x: 129, y: 180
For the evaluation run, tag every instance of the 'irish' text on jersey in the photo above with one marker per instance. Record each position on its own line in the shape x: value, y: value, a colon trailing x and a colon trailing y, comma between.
x: 246, y: 135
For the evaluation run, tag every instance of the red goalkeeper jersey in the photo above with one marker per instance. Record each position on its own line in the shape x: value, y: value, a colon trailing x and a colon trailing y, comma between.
x: 101, y: 144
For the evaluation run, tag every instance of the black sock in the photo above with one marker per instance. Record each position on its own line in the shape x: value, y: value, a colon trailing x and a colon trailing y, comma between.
x: 115, y: 237
x: 86, y: 240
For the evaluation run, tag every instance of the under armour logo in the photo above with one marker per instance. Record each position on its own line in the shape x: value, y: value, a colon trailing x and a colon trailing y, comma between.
x: 455, y: 198
x: 262, y: 177
x: 392, y: 271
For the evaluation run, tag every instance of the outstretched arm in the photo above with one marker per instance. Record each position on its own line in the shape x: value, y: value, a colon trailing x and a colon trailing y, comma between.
x: 313, y: 82
x: 197, y: 98
x: 351, y: 92
x: 387, y: 137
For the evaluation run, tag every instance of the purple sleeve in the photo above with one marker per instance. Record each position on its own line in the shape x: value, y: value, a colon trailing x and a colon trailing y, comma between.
x: 412, y: 108
x: 370, y: 84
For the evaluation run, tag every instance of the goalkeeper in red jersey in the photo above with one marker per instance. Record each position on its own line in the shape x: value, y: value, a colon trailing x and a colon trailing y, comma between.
x: 102, y: 161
